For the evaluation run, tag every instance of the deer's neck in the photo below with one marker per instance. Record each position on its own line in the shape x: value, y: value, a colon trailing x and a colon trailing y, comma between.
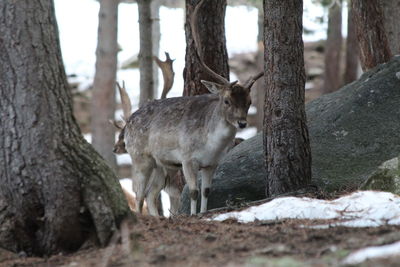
x: 220, y: 132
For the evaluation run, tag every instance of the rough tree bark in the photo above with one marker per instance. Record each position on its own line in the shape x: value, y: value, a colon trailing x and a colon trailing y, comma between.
x: 286, y: 141
x: 391, y: 11
x: 55, y: 189
x: 212, y: 37
x: 333, y: 49
x: 374, y: 44
x: 146, y: 52
x: 103, y: 101
x: 352, y: 50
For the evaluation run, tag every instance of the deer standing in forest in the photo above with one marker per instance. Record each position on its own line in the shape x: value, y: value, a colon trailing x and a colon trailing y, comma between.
x: 170, y: 186
x: 191, y: 133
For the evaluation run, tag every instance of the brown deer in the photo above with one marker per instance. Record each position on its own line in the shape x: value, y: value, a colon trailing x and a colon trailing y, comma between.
x: 191, y: 133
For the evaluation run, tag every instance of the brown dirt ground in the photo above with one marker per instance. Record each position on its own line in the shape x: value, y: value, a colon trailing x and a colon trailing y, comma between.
x: 193, y: 241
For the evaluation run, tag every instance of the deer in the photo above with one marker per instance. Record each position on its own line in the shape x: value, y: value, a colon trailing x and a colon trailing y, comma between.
x: 191, y: 133
x: 172, y: 188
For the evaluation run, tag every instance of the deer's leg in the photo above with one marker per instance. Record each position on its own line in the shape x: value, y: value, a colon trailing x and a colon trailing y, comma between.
x: 190, y: 171
x: 141, y: 172
x: 206, y: 178
x: 174, y: 193
x: 157, y: 184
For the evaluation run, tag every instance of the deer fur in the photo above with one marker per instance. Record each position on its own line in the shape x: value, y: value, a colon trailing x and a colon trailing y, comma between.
x: 170, y: 186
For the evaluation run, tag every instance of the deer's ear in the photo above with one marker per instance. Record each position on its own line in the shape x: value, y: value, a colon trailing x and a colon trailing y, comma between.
x: 214, y: 88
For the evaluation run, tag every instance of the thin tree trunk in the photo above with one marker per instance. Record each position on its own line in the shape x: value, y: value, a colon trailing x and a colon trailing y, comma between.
x: 374, y: 44
x: 55, y: 190
x: 212, y: 37
x: 286, y: 141
x: 146, y: 52
x: 333, y: 50
x: 391, y: 11
x: 156, y: 34
x: 352, y: 50
x: 103, y: 101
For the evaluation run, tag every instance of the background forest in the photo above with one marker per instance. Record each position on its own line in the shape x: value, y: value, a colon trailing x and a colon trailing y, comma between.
x: 313, y: 180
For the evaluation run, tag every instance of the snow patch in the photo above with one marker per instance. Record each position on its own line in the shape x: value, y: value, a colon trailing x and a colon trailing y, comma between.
x: 364, y: 254
x: 398, y: 75
x: 359, y: 209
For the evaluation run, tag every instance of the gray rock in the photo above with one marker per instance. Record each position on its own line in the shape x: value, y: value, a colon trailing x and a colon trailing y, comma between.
x: 386, y: 178
x: 352, y: 131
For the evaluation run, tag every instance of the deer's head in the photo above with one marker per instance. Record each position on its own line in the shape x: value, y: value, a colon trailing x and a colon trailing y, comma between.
x: 235, y: 100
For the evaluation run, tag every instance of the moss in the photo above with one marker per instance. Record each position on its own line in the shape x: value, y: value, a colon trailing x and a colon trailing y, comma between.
x: 386, y: 178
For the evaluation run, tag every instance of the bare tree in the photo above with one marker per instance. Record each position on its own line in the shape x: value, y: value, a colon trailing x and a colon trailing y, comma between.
x: 374, y: 44
x: 212, y: 38
x: 352, y: 50
x: 333, y: 48
x: 56, y: 192
x: 155, y: 36
x: 286, y: 141
x: 391, y: 11
x: 146, y: 52
x: 103, y: 101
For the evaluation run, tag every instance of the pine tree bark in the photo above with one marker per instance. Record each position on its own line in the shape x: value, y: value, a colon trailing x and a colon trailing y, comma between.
x: 352, y: 50
x: 373, y: 42
x: 146, y: 52
x: 55, y: 190
x: 333, y: 50
x: 103, y: 101
x: 213, y: 44
x: 286, y: 140
x: 391, y: 11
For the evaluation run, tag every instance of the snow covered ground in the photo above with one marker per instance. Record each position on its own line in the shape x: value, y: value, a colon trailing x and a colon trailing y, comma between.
x: 359, y: 209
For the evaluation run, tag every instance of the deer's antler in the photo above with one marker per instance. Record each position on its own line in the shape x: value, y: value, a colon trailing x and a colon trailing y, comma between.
x: 199, y: 51
x: 167, y: 72
x: 125, y: 101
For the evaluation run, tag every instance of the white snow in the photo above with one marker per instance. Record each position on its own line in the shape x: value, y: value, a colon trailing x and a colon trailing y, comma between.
x: 360, y: 209
x: 364, y: 254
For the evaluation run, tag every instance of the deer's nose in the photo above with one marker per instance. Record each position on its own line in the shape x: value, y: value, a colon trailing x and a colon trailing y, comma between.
x: 242, y: 124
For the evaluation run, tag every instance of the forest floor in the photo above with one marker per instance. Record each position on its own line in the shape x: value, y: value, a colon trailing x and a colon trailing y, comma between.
x: 195, y: 241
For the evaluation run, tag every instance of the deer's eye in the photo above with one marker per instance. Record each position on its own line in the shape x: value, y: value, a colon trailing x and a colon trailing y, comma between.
x: 226, y: 102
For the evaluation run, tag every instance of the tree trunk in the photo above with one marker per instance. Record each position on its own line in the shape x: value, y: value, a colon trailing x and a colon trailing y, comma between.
x: 352, y: 51
x: 333, y: 50
x: 156, y: 34
x: 286, y: 141
x: 391, y: 11
x: 103, y: 101
x: 211, y: 19
x: 374, y: 45
x: 146, y: 52
x: 55, y: 190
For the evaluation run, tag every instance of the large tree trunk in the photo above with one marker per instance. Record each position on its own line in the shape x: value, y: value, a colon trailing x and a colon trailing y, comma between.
x: 374, y: 45
x: 352, y: 51
x: 146, y: 52
x: 55, y: 190
x: 103, y: 101
x: 391, y: 11
x: 286, y: 141
x: 211, y: 21
x: 333, y: 50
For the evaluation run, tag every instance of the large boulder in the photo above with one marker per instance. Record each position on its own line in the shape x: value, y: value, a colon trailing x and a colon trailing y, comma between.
x: 352, y: 131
